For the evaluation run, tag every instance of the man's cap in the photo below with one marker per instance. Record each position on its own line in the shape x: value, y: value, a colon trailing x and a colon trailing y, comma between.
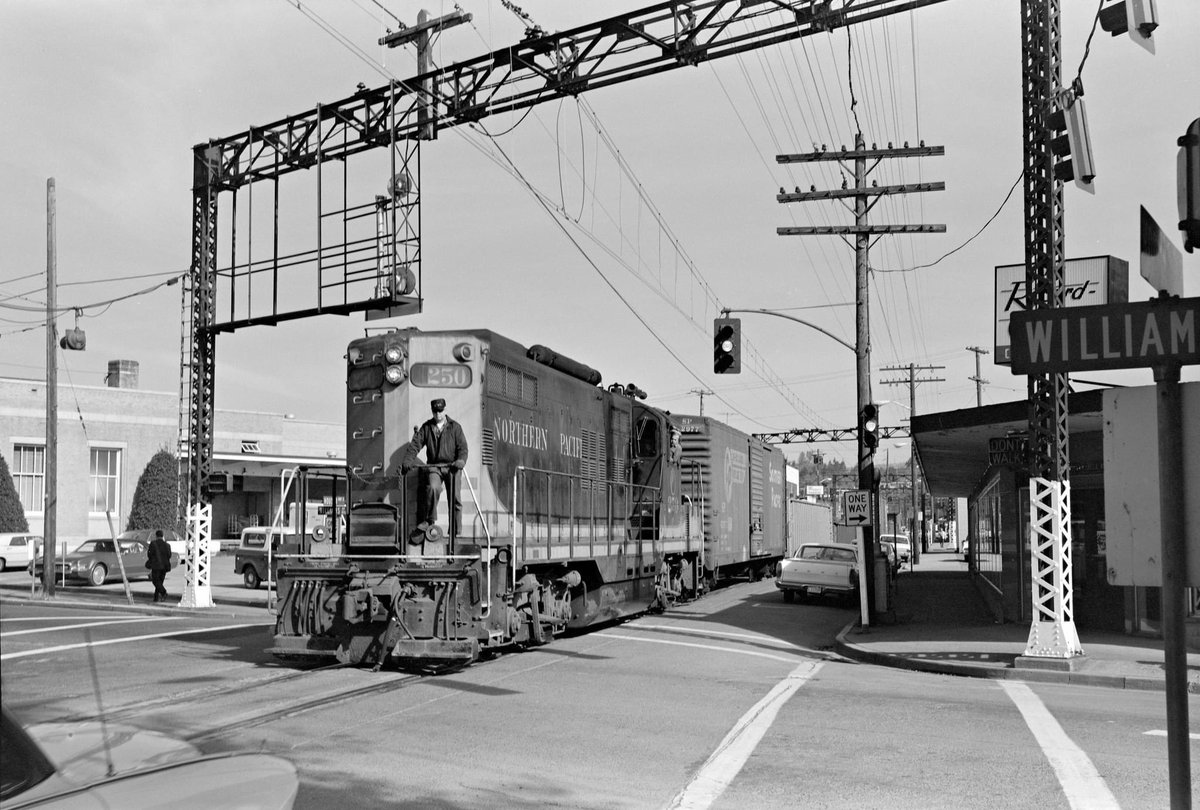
x: 438, y: 405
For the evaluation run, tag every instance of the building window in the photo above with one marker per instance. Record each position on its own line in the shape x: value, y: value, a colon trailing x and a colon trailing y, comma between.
x: 29, y: 476
x: 105, y: 480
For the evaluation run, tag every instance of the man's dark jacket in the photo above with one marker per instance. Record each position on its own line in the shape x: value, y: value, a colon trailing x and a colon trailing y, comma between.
x: 448, y: 448
x: 159, y: 555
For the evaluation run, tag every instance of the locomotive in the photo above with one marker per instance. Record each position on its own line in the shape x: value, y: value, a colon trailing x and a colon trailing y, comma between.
x: 581, y: 505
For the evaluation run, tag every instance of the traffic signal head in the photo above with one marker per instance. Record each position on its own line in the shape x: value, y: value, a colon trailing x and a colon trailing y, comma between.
x: 1072, y: 144
x: 727, y: 345
x: 1188, y: 180
x: 868, y: 427
x: 74, y: 339
x: 1138, y: 18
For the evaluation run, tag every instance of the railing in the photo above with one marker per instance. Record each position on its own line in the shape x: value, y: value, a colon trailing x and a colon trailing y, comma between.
x: 615, y: 513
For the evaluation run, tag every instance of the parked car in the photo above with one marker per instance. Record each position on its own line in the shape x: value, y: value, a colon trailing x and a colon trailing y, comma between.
x: 95, y: 562
x: 174, y: 539
x: 902, y: 545
x: 81, y: 765
x: 18, y: 549
x: 250, y: 559
x: 819, y: 568
x: 889, y: 551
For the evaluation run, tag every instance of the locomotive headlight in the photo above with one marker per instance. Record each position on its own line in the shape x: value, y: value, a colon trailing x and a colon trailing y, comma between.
x: 394, y: 354
x: 463, y: 352
x: 394, y: 374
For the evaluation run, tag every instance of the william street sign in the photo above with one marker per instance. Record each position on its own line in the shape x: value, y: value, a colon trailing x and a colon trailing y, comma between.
x: 1137, y: 335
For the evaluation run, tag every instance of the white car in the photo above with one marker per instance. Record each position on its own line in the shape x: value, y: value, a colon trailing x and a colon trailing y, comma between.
x: 902, y: 545
x: 96, y: 765
x: 18, y: 549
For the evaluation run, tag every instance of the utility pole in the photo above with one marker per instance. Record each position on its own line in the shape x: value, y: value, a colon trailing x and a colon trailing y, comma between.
x: 978, y: 378
x: 702, y: 392
x: 864, y: 198
x: 421, y: 34
x: 917, y: 546
x: 50, y: 495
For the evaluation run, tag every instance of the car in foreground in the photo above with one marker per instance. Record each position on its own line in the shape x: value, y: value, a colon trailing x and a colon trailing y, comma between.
x: 95, y: 562
x: 818, y: 569
x: 98, y: 765
x: 18, y: 549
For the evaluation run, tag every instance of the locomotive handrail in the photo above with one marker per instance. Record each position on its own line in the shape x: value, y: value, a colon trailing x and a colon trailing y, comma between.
x: 609, y: 485
x: 450, y: 467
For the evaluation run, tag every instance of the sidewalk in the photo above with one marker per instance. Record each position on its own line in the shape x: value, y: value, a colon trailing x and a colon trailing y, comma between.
x: 229, y: 596
x: 942, y: 625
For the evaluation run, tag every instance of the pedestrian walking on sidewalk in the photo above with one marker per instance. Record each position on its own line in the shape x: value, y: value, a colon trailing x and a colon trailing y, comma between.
x: 158, y: 560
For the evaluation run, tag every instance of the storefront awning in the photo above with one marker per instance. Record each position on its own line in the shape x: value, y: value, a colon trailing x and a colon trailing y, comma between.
x: 952, y: 446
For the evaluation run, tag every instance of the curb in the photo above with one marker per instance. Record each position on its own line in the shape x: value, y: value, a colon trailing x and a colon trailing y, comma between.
x: 896, y: 661
x: 224, y: 608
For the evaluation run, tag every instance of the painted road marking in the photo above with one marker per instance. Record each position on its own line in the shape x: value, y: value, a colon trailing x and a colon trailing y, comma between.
x: 1162, y: 732
x: 726, y: 762
x: 702, y: 632
x: 65, y: 647
x: 1080, y: 781
x: 735, y: 650
x: 88, y: 624
x: 56, y: 618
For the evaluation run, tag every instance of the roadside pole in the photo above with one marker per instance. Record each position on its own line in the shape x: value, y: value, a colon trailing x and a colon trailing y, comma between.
x: 1174, y: 576
x: 50, y: 507
x: 120, y: 557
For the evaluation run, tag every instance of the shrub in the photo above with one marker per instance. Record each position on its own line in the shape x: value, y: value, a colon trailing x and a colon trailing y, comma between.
x: 155, y: 501
x: 12, y: 513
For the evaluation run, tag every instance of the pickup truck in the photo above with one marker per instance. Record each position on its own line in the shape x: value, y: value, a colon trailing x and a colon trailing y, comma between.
x: 819, y: 568
x: 250, y: 559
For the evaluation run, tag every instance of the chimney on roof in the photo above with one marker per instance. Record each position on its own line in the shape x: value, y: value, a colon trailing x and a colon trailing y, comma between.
x: 122, y: 374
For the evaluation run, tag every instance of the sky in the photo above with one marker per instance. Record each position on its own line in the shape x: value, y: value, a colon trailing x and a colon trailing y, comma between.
x: 658, y: 196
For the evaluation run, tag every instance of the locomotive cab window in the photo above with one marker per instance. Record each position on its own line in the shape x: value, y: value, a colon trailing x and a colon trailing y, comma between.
x: 647, y: 438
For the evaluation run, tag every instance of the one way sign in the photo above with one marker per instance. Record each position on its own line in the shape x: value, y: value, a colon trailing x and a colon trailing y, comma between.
x: 856, y: 507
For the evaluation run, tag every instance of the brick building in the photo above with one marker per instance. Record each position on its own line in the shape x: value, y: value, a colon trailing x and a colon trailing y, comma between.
x: 107, y: 435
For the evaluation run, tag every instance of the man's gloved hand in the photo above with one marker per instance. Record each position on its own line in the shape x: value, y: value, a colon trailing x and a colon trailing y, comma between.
x: 459, y: 464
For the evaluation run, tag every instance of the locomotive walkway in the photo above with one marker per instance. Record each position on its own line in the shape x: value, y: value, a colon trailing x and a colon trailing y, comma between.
x: 940, y: 624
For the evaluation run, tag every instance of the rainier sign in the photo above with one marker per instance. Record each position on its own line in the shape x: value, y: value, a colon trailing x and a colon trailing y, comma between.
x: 1165, y: 330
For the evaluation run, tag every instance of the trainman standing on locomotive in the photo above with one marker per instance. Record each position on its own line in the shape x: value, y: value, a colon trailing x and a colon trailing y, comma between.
x: 445, y: 447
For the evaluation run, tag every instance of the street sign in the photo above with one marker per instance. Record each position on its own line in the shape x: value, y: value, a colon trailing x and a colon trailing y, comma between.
x: 1140, y: 335
x: 1161, y: 261
x: 856, y: 507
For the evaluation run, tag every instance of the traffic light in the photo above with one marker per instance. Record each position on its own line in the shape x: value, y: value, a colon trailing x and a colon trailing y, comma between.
x: 868, y: 427
x: 73, y: 339
x: 1072, y: 144
x: 1138, y: 18
x: 1188, y: 181
x: 727, y: 345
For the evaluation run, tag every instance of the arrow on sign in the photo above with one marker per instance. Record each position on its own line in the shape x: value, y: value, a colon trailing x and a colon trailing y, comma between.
x: 854, y: 519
